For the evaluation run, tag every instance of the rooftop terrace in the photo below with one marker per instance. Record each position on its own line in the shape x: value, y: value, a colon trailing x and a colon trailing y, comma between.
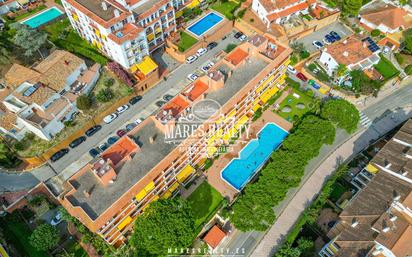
x: 96, y: 8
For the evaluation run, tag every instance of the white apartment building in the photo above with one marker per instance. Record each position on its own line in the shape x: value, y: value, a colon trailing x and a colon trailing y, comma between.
x: 279, y: 11
x: 125, y: 31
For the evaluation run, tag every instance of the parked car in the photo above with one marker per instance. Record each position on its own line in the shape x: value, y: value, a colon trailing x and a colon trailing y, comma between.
x: 301, y: 77
x: 330, y: 38
x: 192, y: 77
x: 314, y: 84
x: 291, y: 69
x: 335, y: 35
x: 201, y: 51
x: 94, y: 152
x: 317, y: 44
x: 130, y: 126
x: 138, y: 121
x: 77, y: 141
x: 109, y: 118
x: 56, y: 219
x: 167, y: 97
x: 191, y: 59
x: 326, y: 41
x: 160, y: 103
x: 91, y: 131
x: 211, y: 45
x: 121, y: 132
x: 243, y: 38
x: 103, y: 147
x: 135, y: 99
x: 122, y: 109
x: 112, y: 140
x: 59, y: 154
x: 238, y: 35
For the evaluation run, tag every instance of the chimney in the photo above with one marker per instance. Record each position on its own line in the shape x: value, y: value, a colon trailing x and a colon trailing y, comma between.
x: 345, y: 53
x: 345, y: 41
x: 116, y: 13
x: 151, y: 140
x: 393, y: 217
x: 364, y: 45
x: 354, y: 223
x: 86, y: 193
x: 104, y: 6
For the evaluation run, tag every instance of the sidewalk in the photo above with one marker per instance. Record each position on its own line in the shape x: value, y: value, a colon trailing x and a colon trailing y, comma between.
x: 311, y: 187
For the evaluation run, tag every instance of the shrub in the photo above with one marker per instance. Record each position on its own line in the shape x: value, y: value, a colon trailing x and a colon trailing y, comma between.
x: 230, y: 47
x: 120, y: 73
x: 44, y: 237
x: 375, y: 32
x: 304, y: 54
x: 69, y: 123
x: 241, y: 13
x: 294, y: 59
x: 84, y: 102
x: 408, y: 69
x: 399, y: 58
x: 109, y: 82
x: 105, y: 95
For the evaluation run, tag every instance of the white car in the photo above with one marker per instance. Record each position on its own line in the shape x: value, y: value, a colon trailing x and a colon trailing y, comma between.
x: 243, y: 38
x: 191, y: 59
x: 122, y: 109
x: 292, y: 70
x: 109, y: 118
x: 317, y: 44
x: 138, y: 121
x: 201, y: 51
x: 192, y: 77
x: 56, y: 219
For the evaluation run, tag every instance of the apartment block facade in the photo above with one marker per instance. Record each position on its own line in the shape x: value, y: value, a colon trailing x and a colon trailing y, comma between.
x: 125, y: 31
x: 109, y: 193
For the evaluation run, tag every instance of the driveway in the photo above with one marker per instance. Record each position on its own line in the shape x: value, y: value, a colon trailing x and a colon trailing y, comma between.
x: 319, y: 35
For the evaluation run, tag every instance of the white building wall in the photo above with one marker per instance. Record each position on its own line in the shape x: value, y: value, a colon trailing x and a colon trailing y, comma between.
x: 258, y: 8
x: 328, y: 62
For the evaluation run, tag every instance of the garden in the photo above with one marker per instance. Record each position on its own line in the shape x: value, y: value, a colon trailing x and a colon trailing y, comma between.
x: 386, y: 68
x: 295, y: 105
x: 186, y: 41
x: 227, y: 8
x: 318, y: 72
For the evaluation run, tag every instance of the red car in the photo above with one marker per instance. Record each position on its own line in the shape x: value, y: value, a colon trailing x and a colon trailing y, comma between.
x: 301, y: 77
x: 121, y: 132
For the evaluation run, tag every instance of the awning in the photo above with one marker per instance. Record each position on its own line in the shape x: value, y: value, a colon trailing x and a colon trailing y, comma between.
x: 146, y: 66
x: 371, y: 168
x: 124, y: 223
x: 193, y: 4
x: 185, y: 173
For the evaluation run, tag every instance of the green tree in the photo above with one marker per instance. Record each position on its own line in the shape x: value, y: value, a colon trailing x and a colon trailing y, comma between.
x: 105, y: 95
x: 30, y: 40
x: 8, y: 158
x: 84, y: 102
x: 351, y: 7
x: 341, y: 70
x: 44, y: 237
x: 342, y: 113
x: 298, y: 47
x: 165, y: 224
x: 288, y: 251
x: 408, y: 69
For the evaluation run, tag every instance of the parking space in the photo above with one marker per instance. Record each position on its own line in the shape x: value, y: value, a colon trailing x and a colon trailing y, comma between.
x: 319, y: 35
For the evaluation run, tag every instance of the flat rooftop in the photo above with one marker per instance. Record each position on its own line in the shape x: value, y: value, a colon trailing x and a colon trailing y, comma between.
x: 146, y: 5
x: 239, y: 78
x: 95, y: 6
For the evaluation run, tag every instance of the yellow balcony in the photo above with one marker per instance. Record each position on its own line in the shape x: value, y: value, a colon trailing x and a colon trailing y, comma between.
x: 124, y: 223
x: 185, y: 173
x: 150, y: 37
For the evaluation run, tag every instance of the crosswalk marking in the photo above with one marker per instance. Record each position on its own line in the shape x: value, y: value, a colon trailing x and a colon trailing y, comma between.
x: 364, y: 120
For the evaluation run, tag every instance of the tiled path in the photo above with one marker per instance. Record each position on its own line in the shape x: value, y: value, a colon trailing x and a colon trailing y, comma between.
x: 214, y: 173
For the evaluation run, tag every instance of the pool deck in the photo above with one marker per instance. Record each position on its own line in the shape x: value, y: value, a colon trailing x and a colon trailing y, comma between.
x: 213, y: 174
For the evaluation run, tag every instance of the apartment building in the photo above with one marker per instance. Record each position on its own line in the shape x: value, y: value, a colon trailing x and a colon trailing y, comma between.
x: 279, y: 11
x: 41, y: 98
x: 378, y: 220
x: 109, y: 193
x: 125, y: 31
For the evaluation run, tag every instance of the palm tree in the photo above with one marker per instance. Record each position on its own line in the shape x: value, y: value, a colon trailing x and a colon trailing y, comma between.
x: 341, y: 70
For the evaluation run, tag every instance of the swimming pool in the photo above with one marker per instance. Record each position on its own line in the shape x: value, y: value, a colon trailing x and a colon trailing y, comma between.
x: 43, y: 17
x: 252, y: 157
x: 205, y: 23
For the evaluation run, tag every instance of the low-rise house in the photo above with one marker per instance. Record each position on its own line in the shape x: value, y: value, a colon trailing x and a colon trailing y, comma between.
x: 352, y: 52
x: 8, y: 5
x: 40, y: 99
x: 378, y: 220
x: 279, y: 11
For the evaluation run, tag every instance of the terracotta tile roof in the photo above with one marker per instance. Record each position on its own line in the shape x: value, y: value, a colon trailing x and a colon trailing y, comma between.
x: 271, y: 5
x: 120, y: 150
x: 403, y: 246
x: 214, y: 236
x: 197, y: 89
x: 288, y: 11
x: 40, y: 96
x: 237, y: 56
x: 7, y: 119
x: 57, y: 67
x: 18, y: 74
x: 320, y: 12
x: 391, y: 16
x: 349, y: 51
x: 176, y: 106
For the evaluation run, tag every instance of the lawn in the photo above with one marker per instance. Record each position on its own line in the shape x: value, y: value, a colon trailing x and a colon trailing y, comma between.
x: 62, y: 35
x: 205, y: 201
x: 186, y: 41
x: 386, y: 68
x: 29, y: 13
x: 18, y: 233
x: 296, y: 106
x: 226, y: 8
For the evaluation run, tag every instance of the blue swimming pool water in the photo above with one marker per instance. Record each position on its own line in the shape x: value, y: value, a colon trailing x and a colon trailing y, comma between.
x: 205, y: 24
x: 239, y: 171
x: 43, y: 17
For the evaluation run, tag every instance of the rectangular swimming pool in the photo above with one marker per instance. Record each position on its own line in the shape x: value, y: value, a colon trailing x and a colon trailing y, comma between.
x: 205, y: 24
x: 42, y: 17
x: 253, y: 156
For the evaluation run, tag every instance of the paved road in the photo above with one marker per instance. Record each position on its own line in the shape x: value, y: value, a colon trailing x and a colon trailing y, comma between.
x: 79, y: 156
x: 383, y: 119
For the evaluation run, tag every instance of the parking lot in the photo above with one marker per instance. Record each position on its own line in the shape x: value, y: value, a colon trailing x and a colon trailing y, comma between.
x: 319, y: 35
